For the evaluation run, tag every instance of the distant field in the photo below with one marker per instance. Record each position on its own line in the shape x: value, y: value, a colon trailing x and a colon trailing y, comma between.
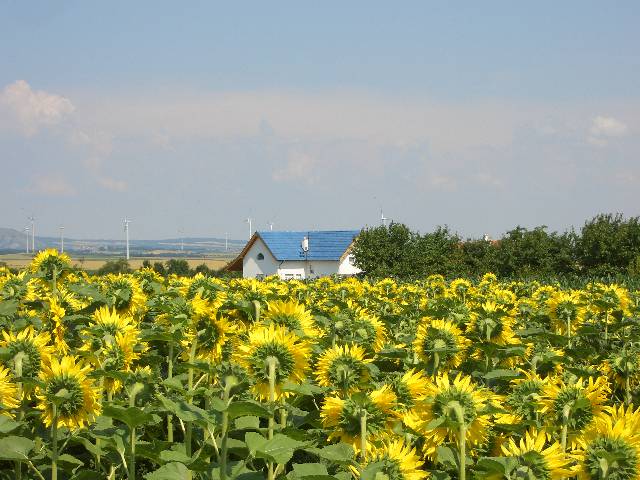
x: 94, y: 263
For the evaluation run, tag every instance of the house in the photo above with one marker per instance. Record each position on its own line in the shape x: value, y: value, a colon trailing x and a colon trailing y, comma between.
x: 289, y: 255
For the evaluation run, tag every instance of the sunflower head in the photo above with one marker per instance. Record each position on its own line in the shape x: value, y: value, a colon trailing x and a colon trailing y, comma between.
x: 27, y: 351
x: 343, y: 368
x: 493, y: 323
x: 292, y: 315
x: 410, y: 388
x: 269, y: 345
x: 395, y: 460
x: 450, y: 404
x: 537, y: 458
x: 440, y: 344
x: 577, y: 404
x: 565, y: 309
x: 9, y: 398
x: 49, y: 261
x: 66, y: 394
x: 610, y: 448
x: 344, y: 416
x: 125, y: 294
x: 214, y: 337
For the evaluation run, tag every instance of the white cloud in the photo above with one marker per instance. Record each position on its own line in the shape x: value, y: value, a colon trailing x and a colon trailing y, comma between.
x: 299, y: 167
x: 34, y: 109
x: 52, y: 185
x: 604, y: 128
x: 112, y: 184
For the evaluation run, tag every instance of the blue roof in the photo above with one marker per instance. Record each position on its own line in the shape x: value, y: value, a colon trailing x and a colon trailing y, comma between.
x: 323, y: 245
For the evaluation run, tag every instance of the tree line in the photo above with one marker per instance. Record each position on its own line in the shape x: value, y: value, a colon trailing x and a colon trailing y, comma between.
x: 607, y: 245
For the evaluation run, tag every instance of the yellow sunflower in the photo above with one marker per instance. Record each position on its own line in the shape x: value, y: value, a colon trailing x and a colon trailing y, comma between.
x: 440, y: 344
x: 537, y: 458
x: 368, y: 330
x: 65, y: 383
x: 291, y: 315
x: 9, y: 397
x: 493, y: 323
x: 344, y: 368
x: 273, y: 343
x: 521, y: 402
x: 46, y: 261
x: 438, y: 419
x: 343, y: 416
x: 610, y: 448
x: 575, y: 405
x: 33, y: 348
x: 125, y: 294
x: 566, y: 312
x: 395, y: 460
x: 214, y: 335
x: 118, y: 354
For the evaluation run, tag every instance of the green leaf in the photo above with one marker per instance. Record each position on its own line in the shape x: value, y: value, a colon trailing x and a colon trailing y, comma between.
x: 501, y: 373
x: 7, y: 424
x: 175, y: 456
x: 371, y: 471
x: 66, y: 458
x: 247, y: 423
x: 303, y: 388
x: 187, y: 412
x: 131, y: 416
x: 339, y: 453
x: 279, y: 449
x: 247, y: 408
x: 8, y: 308
x: 309, y: 469
x: 170, y: 471
x: 15, y: 448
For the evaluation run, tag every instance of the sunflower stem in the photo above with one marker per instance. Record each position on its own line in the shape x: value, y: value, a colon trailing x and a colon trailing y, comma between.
x: 462, y: 438
x: 566, y: 412
x: 131, y: 473
x: 256, y: 308
x: 229, y: 383
x: 189, y: 426
x: 54, y: 281
x: 271, y: 364
x: 569, y: 330
x: 436, y: 364
x: 17, y: 362
x: 54, y: 442
x: 169, y: 377
x: 363, y: 436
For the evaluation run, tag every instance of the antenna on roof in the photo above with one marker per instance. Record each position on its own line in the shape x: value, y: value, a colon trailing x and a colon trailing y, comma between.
x: 270, y: 226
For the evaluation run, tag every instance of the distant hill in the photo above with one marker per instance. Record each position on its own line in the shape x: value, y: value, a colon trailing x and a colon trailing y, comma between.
x: 12, y: 240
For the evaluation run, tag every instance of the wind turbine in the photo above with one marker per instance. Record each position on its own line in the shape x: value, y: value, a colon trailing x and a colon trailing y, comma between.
x: 226, y: 241
x: 181, y: 233
x: 249, y: 220
x: 61, y: 239
x: 33, y: 233
x: 26, y: 231
x: 270, y: 226
x: 126, y: 233
x: 383, y: 219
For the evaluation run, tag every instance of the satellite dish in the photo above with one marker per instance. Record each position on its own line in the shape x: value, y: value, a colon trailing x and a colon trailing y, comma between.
x: 305, y: 244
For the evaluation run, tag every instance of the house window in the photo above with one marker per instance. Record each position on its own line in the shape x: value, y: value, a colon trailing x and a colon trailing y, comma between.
x: 260, y: 256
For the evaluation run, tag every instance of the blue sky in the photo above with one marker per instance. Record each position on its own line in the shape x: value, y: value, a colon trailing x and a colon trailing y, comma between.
x: 479, y: 115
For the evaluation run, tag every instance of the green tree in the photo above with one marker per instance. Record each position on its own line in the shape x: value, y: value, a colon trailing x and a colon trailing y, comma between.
x: 609, y: 244
x: 114, y: 266
x: 178, y: 267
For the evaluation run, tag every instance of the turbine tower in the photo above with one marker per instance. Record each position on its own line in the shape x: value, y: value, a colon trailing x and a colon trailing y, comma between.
x: 61, y: 239
x: 383, y: 219
x: 33, y: 233
x: 26, y: 232
x: 270, y: 226
x: 126, y: 233
x: 226, y: 241
x: 249, y: 220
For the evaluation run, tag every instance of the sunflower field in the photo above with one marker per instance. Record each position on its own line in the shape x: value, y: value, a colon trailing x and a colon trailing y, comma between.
x: 140, y: 376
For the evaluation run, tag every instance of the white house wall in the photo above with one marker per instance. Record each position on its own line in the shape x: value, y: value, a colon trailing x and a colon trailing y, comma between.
x: 346, y: 266
x: 252, y: 267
